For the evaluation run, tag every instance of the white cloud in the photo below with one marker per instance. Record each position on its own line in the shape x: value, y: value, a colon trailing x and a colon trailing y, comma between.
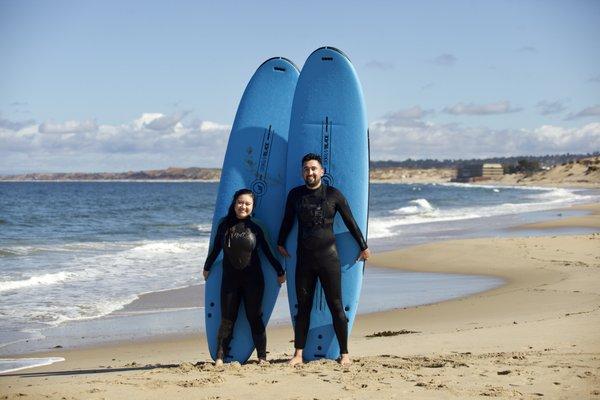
x: 68, y: 127
x: 153, y: 140
x: 412, y: 112
x: 209, y: 126
x: 165, y: 122
x: 500, y: 107
x: 595, y: 79
x: 14, y: 125
x: 550, y: 107
x: 407, y: 117
x: 445, y: 59
x: 135, y: 146
x: 593, y: 111
x: 391, y: 140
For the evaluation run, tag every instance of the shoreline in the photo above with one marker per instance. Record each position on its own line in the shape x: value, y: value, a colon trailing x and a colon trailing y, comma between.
x: 535, y: 335
x: 182, y: 307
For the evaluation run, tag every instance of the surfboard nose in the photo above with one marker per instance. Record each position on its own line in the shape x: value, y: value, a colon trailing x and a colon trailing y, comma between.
x: 329, y: 53
x: 280, y: 64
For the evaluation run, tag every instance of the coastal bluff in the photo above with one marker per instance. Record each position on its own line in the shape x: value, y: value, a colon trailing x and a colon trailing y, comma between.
x: 582, y: 173
x: 169, y: 174
x: 401, y: 175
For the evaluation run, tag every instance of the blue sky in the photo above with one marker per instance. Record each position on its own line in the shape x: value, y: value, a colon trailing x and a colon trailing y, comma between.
x: 81, y: 81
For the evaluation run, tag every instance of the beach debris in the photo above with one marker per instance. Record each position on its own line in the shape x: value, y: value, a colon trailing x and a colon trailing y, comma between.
x: 390, y: 333
x: 185, y: 367
x: 504, y: 372
x: 434, y: 365
x: 201, y: 382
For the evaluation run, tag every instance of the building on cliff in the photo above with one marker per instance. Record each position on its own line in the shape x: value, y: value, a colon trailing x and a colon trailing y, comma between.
x: 478, y: 172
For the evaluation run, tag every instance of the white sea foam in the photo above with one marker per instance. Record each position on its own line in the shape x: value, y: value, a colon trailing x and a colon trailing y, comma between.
x: 17, y: 364
x: 205, y: 228
x: 61, y: 248
x: 103, y: 281
x: 419, y: 206
x: 45, y: 279
x: 164, y: 247
x: 84, y: 311
x: 421, y: 211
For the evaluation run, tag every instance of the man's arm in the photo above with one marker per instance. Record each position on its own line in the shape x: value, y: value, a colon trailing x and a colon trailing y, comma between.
x: 288, y: 220
x: 341, y: 205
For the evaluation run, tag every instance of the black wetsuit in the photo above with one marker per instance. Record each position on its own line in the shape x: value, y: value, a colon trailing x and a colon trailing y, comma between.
x: 242, y: 278
x: 317, y: 255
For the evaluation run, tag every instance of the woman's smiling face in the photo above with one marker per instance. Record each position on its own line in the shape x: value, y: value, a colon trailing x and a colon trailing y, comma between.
x: 243, y: 206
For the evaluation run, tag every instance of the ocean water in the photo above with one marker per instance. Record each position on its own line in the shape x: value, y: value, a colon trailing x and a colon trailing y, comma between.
x: 76, y: 251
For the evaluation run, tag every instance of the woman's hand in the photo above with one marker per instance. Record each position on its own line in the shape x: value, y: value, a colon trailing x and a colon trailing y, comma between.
x: 281, y: 279
x: 364, y: 255
x: 282, y: 250
x: 205, y: 273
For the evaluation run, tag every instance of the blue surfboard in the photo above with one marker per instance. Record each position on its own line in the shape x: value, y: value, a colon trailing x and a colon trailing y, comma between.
x: 255, y: 159
x: 329, y: 118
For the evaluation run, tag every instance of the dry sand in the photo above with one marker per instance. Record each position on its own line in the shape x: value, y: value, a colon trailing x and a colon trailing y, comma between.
x: 537, y: 336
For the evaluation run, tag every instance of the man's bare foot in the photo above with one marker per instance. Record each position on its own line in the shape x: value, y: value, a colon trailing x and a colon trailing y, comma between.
x: 345, y: 359
x: 295, y: 361
x: 263, y: 361
x: 218, y: 362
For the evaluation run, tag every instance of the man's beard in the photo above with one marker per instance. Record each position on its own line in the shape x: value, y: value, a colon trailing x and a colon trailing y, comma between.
x: 314, y: 183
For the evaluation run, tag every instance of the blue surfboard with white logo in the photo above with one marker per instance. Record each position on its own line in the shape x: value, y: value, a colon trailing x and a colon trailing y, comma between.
x: 329, y: 118
x: 255, y: 159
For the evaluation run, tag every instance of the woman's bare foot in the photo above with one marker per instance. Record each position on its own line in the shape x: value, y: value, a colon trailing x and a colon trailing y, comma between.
x: 218, y: 362
x: 345, y: 359
x: 297, y: 359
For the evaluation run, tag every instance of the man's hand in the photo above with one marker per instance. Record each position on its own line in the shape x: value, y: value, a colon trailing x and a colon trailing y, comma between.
x: 205, y: 273
x: 364, y: 255
x: 281, y: 279
x: 283, y: 251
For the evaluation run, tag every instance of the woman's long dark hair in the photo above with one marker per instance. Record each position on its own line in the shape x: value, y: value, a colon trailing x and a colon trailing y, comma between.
x: 231, y: 218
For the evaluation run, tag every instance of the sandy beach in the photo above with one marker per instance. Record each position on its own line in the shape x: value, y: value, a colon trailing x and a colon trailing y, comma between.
x: 536, y: 336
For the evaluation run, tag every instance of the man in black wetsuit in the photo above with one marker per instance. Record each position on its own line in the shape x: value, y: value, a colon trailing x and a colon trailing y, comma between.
x: 315, y: 205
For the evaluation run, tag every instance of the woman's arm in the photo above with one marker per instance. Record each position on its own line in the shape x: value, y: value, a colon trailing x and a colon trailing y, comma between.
x: 266, y: 248
x: 217, y: 246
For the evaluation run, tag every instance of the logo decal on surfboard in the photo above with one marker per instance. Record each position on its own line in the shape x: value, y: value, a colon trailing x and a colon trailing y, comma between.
x: 326, y: 127
x: 259, y: 186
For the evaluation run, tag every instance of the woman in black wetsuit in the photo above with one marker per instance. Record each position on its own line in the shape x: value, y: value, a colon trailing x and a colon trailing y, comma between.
x: 239, y: 237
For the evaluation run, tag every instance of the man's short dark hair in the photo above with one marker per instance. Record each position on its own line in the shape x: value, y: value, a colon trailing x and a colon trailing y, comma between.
x: 312, y: 156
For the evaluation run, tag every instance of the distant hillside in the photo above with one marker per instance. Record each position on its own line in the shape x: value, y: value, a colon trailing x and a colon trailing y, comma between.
x: 543, y: 161
x: 202, y: 174
x: 582, y: 172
